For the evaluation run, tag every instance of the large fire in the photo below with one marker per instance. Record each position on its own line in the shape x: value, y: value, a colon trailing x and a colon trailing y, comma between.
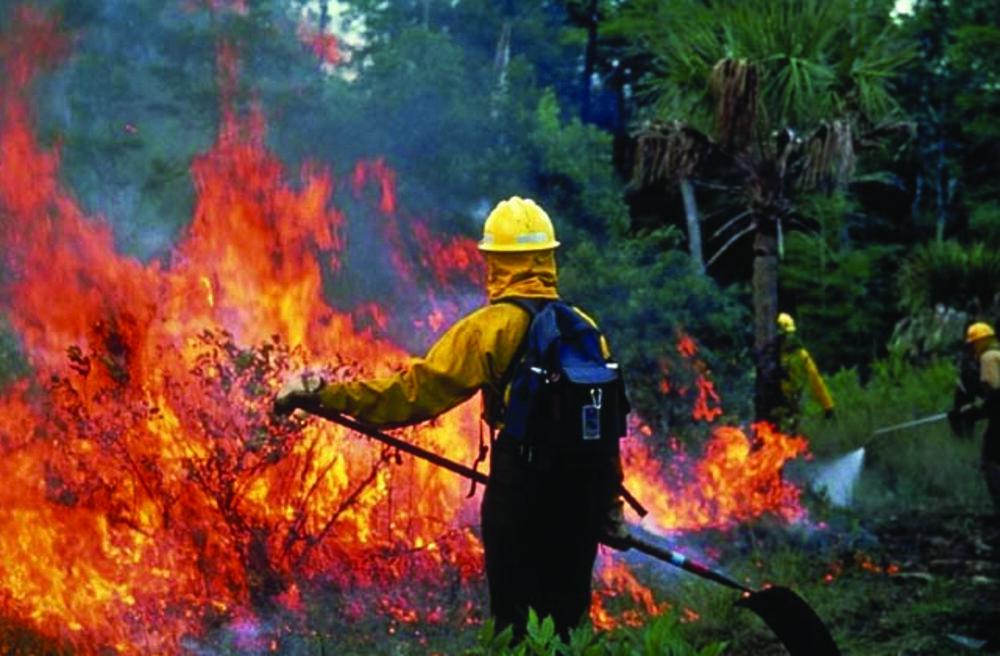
x: 148, y: 493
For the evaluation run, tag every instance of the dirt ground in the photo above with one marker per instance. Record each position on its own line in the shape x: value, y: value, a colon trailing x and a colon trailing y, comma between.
x: 939, y: 592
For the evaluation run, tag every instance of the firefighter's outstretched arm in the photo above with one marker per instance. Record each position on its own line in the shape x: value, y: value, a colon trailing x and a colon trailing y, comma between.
x: 816, y: 384
x: 465, y: 359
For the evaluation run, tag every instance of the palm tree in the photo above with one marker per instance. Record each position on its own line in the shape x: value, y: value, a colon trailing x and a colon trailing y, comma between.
x: 787, y: 91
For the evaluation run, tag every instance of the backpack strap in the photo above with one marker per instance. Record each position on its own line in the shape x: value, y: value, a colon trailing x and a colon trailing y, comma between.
x: 532, y: 306
x: 492, y: 404
x: 493, y: 398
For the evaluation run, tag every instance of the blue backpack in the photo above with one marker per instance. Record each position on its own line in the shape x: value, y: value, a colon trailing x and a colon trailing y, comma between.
x: 565, y: 400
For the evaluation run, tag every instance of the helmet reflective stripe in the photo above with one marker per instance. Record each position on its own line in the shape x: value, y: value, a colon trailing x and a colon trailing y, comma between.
x: 532, y: 238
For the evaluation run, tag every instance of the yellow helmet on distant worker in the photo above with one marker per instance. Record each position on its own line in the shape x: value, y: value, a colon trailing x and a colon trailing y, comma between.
x: 518, y: 224
x: 786, y: 323
x: 978, y: 331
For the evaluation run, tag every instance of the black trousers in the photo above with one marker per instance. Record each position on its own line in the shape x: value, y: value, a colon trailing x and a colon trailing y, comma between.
x: 991, y: 459
x: 540, y: 536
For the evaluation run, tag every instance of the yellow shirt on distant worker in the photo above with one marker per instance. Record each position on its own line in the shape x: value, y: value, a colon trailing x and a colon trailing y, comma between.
x: 801, y: 370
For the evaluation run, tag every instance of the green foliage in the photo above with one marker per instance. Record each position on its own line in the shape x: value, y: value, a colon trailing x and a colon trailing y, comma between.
x: 964, y: 278
x: 12, y: 362
x: 842, y: 298
x: 662, y: 636
x: 429, y: 116
x: 464, y: 129
x: 815, y: 64
x: 951, y: 91
x: 928, y: 333
x: 984, y: 223
x: 575, y: 170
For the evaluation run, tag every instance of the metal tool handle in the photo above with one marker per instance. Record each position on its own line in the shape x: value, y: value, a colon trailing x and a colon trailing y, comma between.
x: 440, y: 461
x: 677, y: 560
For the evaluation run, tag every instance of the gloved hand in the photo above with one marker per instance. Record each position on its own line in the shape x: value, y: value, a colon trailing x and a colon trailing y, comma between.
x: 300, y: 391
x: 828, y: 413
x: 615, y: 532
x: 966, y: 413
x: 955, y: 416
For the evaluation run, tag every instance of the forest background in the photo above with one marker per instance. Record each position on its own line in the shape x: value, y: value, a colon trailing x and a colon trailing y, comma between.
x: 470, y: 102
x: 865, y: 170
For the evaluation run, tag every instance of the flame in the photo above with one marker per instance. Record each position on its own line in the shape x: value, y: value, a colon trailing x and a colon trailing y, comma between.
x: 325, y: 46
x: 707, y: 405
x: 686, y: 346
x: 861, y: 561
x: 614, y: 580
x: 155, y: 495
x: 737, y: 478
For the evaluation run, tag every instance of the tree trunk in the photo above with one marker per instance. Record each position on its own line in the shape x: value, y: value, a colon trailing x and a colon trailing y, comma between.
x: 589, y: 62
x: 693, y: 224
x: 767, y: 384
x: 939, y: 183
x: 501, y: 62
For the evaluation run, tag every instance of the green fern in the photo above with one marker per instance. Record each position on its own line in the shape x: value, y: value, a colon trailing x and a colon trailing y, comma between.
x: 663, y: 636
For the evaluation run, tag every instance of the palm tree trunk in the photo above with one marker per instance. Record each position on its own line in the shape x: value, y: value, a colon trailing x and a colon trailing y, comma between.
x: 589, y: 62
x: 767, y: 384
x: 501, y: 62
x: 942, y: 202
x: 693, y: 225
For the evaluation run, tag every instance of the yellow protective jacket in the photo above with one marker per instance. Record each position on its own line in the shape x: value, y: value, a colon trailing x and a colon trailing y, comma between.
x: 799, y: 371
x: 471, y: 355
x: 988, y: 355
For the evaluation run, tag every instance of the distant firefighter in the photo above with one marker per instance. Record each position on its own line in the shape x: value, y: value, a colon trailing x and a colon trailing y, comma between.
x: 797, y: 370
x: 982, y: 346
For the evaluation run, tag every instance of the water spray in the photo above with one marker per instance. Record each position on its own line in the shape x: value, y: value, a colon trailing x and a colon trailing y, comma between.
x: 837, y: 478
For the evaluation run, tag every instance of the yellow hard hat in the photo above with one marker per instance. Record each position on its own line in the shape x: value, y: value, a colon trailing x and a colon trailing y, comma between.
x: 978, y: 331
x: 518, y: 224
x: 786, y: 323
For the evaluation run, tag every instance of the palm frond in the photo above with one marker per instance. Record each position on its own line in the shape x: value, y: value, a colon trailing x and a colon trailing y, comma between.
x: 965, y: 278
x: 735, y: 85
x: 829, y: 156
x: 667, y: 151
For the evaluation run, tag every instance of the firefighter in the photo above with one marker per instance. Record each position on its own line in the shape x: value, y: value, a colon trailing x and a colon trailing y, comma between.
x: 982, y: 345
x: 797, y: 370
x: 540, y: 529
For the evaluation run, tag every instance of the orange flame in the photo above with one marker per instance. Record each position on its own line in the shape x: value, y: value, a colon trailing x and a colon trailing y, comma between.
x: 707, y: 405
x: 325, y: 46
x: 614, y: 579
x: 737, y: 478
